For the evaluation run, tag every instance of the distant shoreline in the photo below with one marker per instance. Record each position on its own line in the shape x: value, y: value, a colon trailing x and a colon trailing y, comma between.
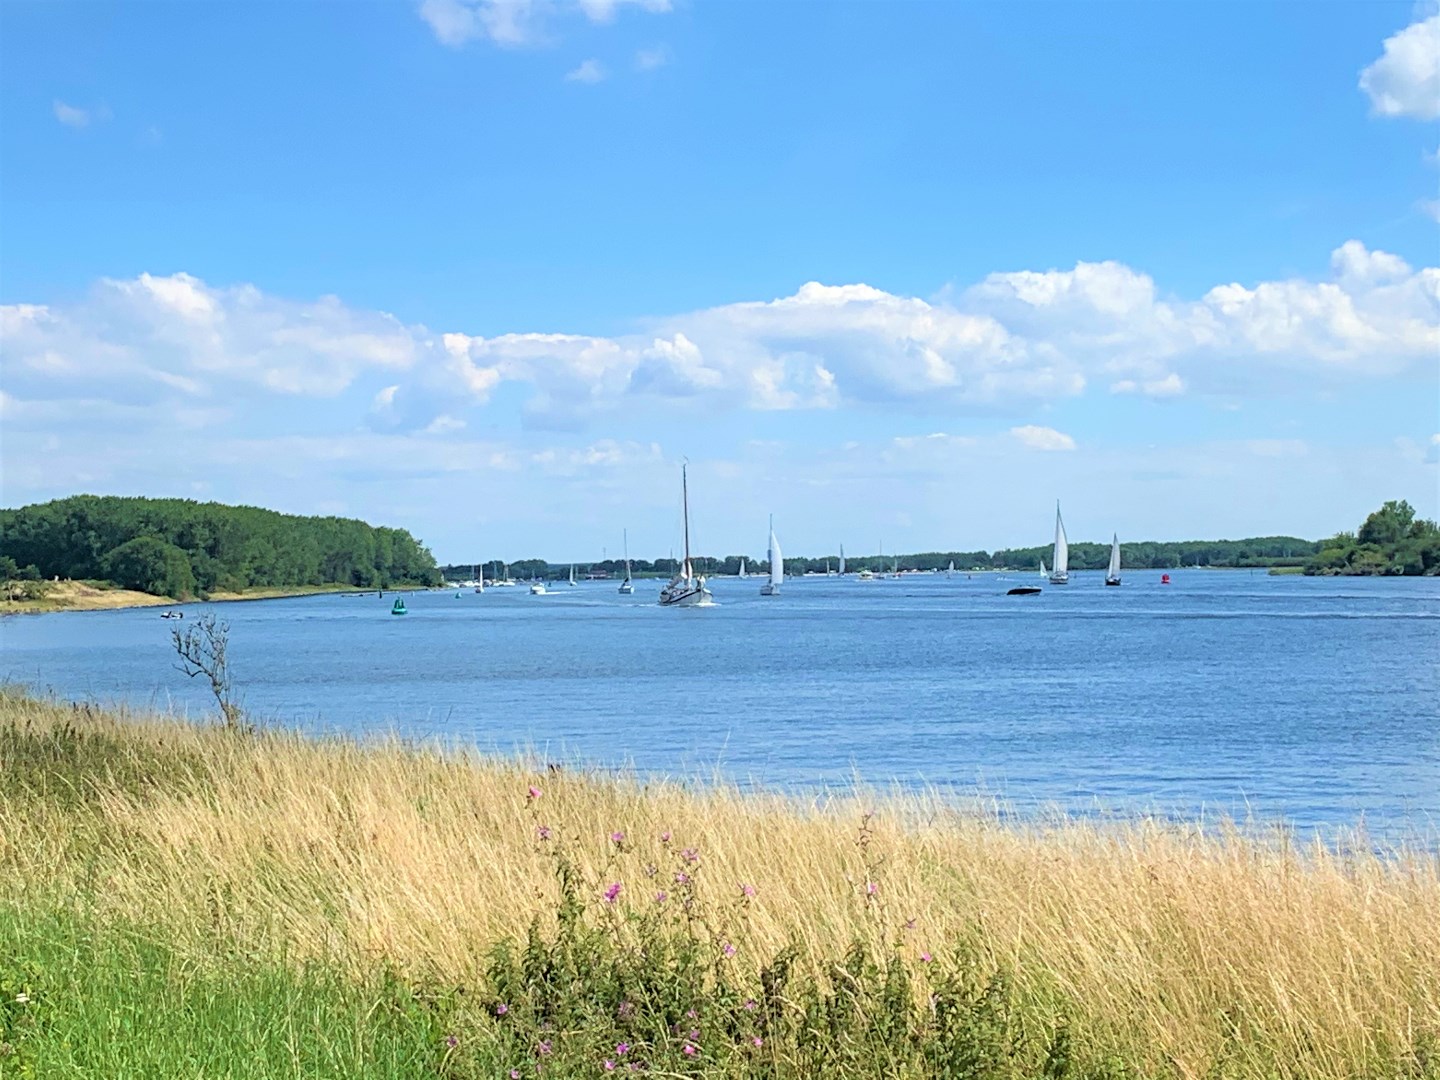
x: 84, y: 596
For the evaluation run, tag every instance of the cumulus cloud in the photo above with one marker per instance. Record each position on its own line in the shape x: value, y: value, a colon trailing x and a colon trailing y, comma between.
x: 588, y: 71
x: 1009, y: 343
x: 513, y: 23
x: 1042, y: 438
x: 1405, y: 80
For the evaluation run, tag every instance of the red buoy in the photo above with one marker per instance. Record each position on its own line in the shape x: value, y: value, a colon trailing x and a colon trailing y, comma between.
x: 1164, y: 579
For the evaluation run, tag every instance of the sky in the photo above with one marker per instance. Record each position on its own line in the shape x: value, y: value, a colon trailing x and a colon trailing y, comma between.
x: 897, y: 273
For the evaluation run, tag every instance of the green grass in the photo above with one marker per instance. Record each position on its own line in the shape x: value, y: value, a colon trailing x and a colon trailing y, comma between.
x: 118, y: 1002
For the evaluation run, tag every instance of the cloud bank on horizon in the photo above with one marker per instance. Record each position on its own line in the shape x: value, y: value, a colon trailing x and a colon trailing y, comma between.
x: 1008, y: 344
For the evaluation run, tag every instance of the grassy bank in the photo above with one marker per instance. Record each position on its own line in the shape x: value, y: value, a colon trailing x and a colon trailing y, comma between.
x: 177, y: 900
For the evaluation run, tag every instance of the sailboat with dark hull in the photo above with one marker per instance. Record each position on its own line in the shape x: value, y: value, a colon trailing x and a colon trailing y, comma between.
x: 685, y: 589
x: 1112, y: 575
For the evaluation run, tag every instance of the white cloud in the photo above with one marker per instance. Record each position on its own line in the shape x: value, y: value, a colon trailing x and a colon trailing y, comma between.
x: 1010, y: 343
x: 1405, y: 81
x: 76, y: 117
x: 1042, y: 438
x: 650, y: 59
x: 589, y: 71
x: 512, y: 23
x: 1430, y: 208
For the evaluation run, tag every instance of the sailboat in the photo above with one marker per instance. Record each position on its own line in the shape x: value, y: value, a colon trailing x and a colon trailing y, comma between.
x: 479, y: 579
x: 572, y: 575
x: 1043, y: 572
x: 777, y: 565
x: 950, y: 570
x: 896, y: 572
x: 1060, y: 573
x: 504, y: 578
x: 685, y: 589
x: 842, y: 560
x: 627, y: 586
x: 1112, y: 575
x: 743, y: 572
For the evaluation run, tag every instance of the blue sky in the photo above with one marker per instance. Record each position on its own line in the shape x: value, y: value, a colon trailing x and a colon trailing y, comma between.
x: 489, y: 270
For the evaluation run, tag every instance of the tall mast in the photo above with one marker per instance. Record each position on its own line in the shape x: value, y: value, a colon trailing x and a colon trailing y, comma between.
x: 685, y: 506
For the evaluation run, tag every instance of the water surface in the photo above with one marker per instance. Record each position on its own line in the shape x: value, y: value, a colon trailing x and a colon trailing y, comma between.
x: 1316, y: 700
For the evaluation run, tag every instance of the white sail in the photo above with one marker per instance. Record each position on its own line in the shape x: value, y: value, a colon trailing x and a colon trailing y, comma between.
x: 777, y: 565
x: 743, y: 571
x: 572, y: 573
x: 842, y: 560
x: 1060, y: 572
x: 950, y: 572
x: 627, y: 586
x: 1043, y: 571
x: 1113, y: 573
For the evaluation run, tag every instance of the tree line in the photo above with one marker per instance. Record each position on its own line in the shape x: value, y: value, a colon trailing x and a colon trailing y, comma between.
x: 1260, y: 551
x: 183, y: 548
x: 1392, y: 541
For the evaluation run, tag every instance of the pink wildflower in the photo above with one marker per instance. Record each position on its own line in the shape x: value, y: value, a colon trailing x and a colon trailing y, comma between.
x: 451, y: 1041
x: 501, y: 1009
x: 543, y: 832
x: 612, y: 892
x: 661, y: 897
x: 747, y: 890
x: 691, y: 1049
x: 682, y: 878
x: 621, y: 1049
x: 609, y: 1065
x: 544, y: 1048
x: 728, y: 949
x: 690, y: 855
x: 617, y: 837
x: 758, y: 1041
x: 665, y: 837
x: 514, y: 1074
x: 925, y: 958
x: 750, y: 1004
x: 532, y: 792
x: 871, y: 888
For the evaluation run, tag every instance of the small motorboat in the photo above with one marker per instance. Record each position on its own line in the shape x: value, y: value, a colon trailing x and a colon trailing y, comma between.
x: 173, y: 615
x: 1023, y: 590
x: 537, y: 588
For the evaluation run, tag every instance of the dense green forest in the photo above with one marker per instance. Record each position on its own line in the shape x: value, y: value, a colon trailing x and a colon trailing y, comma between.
x: 1146, y: 554
x: 1391, y: 541
x: 181, y: 548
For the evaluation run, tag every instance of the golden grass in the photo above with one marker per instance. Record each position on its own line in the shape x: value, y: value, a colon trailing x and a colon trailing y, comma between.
x: 1193, y: 952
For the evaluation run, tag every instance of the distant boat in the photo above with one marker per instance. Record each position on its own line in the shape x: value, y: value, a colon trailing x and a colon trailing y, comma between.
x: 685, y: 589
x: 479, y: 574
x: 1023, y: 590
x: 504, y: 580
x: 572, y: 575
x: 743, y: 572
x: 950, y: 571
x: 537, y: 588
x: 865, y: 574
x: 777, y: 565
x: 627, y: 586
x: 842, y: 560
x: 399, y: 607
x: 896, y: 572
x: 1043, y: 571
x: 1112, y: 575
x: 1060, y: 574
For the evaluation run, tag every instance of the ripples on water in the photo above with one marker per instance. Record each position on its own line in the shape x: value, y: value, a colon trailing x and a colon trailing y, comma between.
x: 1224, y: 693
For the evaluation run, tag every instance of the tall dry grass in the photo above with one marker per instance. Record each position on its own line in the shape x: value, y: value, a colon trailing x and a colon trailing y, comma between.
x: 1195, y: 953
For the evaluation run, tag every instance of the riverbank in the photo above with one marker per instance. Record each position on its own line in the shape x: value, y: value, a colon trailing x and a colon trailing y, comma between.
x: 280, y: 905
x: 100, y: 596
